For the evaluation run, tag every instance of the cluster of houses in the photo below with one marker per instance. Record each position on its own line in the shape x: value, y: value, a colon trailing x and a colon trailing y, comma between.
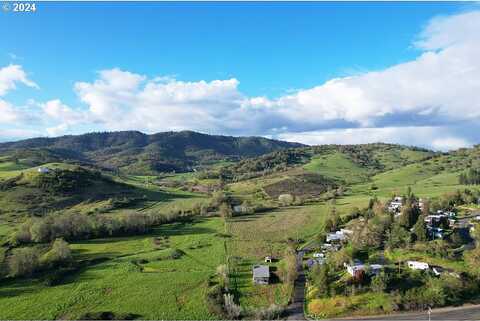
x: 357, y: 268
x: 437, y: 222
x: 333, y: 243
x: 396, y: 204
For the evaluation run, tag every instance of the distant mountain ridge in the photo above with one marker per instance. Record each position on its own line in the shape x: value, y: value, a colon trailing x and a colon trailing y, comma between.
x: 137, y: 152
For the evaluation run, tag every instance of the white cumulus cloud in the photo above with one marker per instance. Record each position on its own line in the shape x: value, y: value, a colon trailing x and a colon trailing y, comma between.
x: 424, y: 101
x: 12, y: 75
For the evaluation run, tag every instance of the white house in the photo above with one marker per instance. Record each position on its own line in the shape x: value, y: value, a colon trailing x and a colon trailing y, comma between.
x: 435, y: 219
x: 356, y: 267
x: 415, y: 265
x: 338, y: 236
x: 317, y: 255
x: 396, y: 204
x: 43, y: 170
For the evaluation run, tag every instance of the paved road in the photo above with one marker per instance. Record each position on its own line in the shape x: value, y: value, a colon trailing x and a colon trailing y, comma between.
x: 460, y: 313
x: 294, y: 310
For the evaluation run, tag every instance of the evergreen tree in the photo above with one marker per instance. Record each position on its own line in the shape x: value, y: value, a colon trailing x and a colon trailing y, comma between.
x: 419, y: 230
x: 320, y: 279
x: 379, y: 282
x: 397, y: 237
x: 409, y: 215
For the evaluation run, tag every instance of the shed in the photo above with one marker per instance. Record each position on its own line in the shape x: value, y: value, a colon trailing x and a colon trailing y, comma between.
x: 415, y: 265
x: 261, y: 274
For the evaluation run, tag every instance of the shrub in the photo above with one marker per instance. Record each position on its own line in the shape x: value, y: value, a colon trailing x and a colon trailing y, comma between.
x: 222, y: 273
x: 288, y: 268
x: 225, y: 210
x: 214, y: 300
x: 273, y: 312
x: 328, y: 307
x: 23, y: 262
x: 286, y: 199
x: 320, y: 278
x: 176, y: 254
x: 232, y: 310
x: 379, y: 282
x: 59, y: 254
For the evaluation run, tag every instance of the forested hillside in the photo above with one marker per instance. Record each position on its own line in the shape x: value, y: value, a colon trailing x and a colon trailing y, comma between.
x: 135, y: 152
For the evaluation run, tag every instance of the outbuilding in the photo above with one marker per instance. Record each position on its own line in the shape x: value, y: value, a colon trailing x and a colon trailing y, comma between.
x: 416, y: 265
x: 261, y: 274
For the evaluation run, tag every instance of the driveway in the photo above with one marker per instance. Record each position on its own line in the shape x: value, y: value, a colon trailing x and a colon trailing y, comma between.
x: 294, y: 311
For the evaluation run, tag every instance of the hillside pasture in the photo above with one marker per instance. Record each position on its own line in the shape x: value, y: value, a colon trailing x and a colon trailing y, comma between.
x: 127, y: 276
x: 337, y: 166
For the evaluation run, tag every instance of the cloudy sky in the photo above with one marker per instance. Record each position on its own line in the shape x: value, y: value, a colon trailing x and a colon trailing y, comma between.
x: 315, y: 73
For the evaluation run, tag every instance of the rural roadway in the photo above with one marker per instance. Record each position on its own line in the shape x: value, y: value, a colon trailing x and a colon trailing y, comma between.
x: 295, y: 310
x: 457, y: 313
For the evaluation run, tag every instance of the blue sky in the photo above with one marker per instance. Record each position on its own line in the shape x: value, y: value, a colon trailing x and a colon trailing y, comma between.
x: 239, y: 68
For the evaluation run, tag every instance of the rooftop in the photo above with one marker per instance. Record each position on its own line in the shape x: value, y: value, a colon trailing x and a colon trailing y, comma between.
x: 261, y: 271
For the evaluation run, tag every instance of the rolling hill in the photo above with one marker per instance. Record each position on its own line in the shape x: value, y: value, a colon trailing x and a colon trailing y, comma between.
x: 176, y: 260
x: 138, y: 153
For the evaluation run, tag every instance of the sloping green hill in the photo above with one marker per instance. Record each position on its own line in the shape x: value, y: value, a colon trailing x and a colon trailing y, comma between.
x: 28, y: 192
x: 338, y: 166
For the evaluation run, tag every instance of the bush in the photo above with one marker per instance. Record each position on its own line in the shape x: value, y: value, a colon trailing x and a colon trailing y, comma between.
x: 286, y: 199
x: 328, y: 307
x: 214, y: 300
x: 379, y: 282
x: 59, y: 254
x: 23, y: 262
x: 232, y: 310
x: 273, y: 312
x: 176, y: 254
x: 420, y: 298
x: 222, y: 273
x: 320, y: 278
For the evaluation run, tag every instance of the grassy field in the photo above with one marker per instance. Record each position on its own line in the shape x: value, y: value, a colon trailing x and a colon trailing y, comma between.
x: 337, y: 166
x: 160, y: 288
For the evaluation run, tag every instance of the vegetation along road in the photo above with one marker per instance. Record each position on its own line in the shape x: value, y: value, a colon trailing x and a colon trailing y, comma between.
x: 459, y: 313
x: 295, y: 310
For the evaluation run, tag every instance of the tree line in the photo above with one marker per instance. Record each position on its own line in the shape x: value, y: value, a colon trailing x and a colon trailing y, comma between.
x: 77, y: 226
x: 471, y: 177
